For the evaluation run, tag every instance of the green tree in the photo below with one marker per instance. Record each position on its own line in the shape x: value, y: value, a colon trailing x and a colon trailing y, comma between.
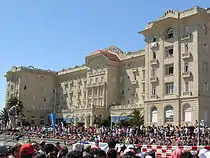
x: 4, y: 116
x: 124, y: 123
x: 136, y: 118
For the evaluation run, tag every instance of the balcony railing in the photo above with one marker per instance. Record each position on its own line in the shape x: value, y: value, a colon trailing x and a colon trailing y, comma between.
x: 154, y: 45
x: 128, y: 106
x: 154, y: 62
x: 186, y: 55
x: 154, y: 97
x: 187, y: 93
x: 186, y: 74
x: 134, y: 82
x: 134, y: 69
x: 186, y: 36
x: 154, y: 79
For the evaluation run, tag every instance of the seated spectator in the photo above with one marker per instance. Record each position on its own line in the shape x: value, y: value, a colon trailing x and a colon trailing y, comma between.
x: 63, y: 152
x: 40, y: 155
x: 149, y: 154
x: 77, y: 147
x: 101, y: 154
x: 74, y: 154
x: 87, y: 148
x: 112, y: 153
x: 15, y: 151
x: 176, y: 153
x: 27, y: 151
x: 186, y: 155
x: 3, y: 151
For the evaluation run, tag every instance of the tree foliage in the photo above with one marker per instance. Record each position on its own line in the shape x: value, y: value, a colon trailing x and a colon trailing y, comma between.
x: 136, y: 117
x: 4, y: 116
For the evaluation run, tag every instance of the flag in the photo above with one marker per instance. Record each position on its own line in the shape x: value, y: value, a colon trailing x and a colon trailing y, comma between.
x: 52, y: 120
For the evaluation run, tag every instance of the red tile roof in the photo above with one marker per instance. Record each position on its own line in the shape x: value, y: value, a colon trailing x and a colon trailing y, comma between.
x: 108, y: 54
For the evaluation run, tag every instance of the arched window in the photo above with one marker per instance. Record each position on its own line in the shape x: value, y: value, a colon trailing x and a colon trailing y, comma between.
x: 169, y: 114
x: 154, y: 115
x: 42, y: 122
x: 187, y: 111
x: 170, y: 33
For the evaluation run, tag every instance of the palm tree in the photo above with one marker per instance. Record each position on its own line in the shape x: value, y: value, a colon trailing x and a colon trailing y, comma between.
x: 4, y: 116
x: 136, y: 118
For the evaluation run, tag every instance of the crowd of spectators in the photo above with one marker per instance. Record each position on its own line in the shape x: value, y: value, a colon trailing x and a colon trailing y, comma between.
x: 84, y: 150
x: 158, y: 135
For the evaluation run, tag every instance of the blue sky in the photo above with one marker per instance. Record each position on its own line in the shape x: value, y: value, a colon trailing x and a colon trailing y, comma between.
x: 56, y: 34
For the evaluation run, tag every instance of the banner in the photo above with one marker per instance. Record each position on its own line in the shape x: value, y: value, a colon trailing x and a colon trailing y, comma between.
x: 52, y: 117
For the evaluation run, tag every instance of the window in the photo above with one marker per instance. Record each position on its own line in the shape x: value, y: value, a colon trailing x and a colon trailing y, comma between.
x: 44, y: 99
x: 154, y: 39
x: 90, y: 92
x: 186, y: 30
x: 186, y: 86
x: 143, y: 87
x: 94, y: 101
x: 169, y: 114
x: 187, y: 113
x: 153, y: 72
x: 134, y: 76
x: 143, y: 74
x: 169, y: 69
x: 205, y: 29
x: 25, y: 87
x: 100, y: 102
x: 169, y: 88
x: 96, y: 80
x: 95, y: 91
x: 169, y: 51
x: 91, y: 81
x: 89, y: 101
x: 42, y: 122
x: 205, y: 67
x: 154, y: 117
x: 153, y: 90
x: 100, y: 91
x: 84, y: 94
x: 206, y: 87
x: 122, y: 92
x: 170, y: 33
x: 154, y: 55
x: 186, y: 67
x: 186, y: 47
x: 12, y: 87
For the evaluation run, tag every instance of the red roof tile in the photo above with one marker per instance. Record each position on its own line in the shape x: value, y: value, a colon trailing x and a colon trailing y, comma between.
x: 109, y: 55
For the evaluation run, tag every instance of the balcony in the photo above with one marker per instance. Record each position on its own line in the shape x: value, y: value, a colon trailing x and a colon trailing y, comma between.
x: 154, y: 62
x: 79, y: 81
x: 186, y: 74
x: 154, y: 96
x: 134, y: 82
x: 154, y: 79
x: 186, y: 37
x: 187, y: 93
x: 134, y: 70
x: 186, y: 55
x: 143, y: 80
x: 154, y: 45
